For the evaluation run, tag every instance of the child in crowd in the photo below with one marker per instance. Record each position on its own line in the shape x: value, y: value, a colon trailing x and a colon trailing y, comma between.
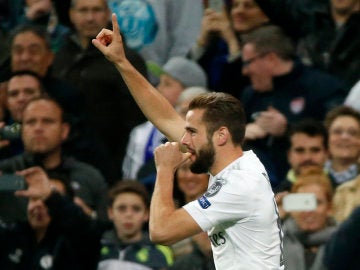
x: 127, y: 245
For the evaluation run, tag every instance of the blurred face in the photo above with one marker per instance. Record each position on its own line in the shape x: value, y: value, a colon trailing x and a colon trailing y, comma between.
x: 38, y: 215
x: 21, y: 89
x: 196, y: 140
x: 344, y: 6
x: 43, y: 130
x: 170, y: 88
x: 37, y: 211
x: 192, y: 185
x: 29, y: 52
x: 344, y: 139
x: 312, y: 221
x: 256, y: 67
x: 89, y: 17
x: 128, y: 213
x: 246, y: 15
x: 306, y: 150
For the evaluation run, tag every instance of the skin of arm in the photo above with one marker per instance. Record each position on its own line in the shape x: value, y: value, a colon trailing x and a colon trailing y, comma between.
x: 155, y: 107
x: 167, y: 224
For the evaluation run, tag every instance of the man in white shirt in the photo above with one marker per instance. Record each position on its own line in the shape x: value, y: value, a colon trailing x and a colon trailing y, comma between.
x: 238, y: 210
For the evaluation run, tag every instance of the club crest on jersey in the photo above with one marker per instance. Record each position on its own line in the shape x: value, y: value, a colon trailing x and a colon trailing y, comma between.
x: 214, y: 188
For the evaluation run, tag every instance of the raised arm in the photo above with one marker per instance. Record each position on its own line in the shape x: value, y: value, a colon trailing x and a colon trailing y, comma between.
x: 155, y: 107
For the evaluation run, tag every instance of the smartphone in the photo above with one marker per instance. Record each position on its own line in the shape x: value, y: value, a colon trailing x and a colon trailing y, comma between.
x: 299, y: 202
x: 11, y: 182
x: 216, y: 5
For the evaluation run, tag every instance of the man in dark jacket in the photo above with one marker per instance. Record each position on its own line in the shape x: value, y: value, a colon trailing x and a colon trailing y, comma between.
x: 283, y: 91
x: 56, y: 235
x: 328, y: 37
x: 43, y: 132
x: 111, y: 110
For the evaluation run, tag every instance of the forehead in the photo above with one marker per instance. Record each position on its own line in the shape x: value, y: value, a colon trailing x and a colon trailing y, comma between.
x: 304, y: 140
x: 28, y: 38
x: 40, y: 108
x: 28, y: 79
x: 194, y: 117
x: 129, y: 198
x: 89, y: 3
x: 345, y: 120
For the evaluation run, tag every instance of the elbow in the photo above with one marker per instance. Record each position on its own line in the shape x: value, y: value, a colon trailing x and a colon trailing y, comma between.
x: 160, y: 237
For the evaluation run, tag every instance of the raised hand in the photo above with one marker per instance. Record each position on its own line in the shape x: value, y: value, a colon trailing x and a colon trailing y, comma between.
x: 169, y: 156
x: 110, y: 43
x: 39, y: 186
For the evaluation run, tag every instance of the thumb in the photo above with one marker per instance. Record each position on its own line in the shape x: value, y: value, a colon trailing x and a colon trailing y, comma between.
x: 98, y: 45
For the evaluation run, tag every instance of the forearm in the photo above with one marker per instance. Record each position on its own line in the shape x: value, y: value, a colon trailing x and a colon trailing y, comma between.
x: 162, y: 204
x: 154, y: 106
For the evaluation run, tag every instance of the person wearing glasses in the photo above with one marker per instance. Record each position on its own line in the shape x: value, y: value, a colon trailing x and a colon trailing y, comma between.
x: 282, y: 92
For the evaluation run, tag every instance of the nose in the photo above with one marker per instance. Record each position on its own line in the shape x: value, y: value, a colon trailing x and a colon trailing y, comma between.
x: 185, y: 139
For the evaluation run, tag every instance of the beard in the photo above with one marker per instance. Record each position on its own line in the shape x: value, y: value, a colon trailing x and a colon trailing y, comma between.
x: 205, y: 159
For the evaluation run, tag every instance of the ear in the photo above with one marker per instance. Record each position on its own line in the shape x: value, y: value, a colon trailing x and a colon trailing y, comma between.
x: 65, y: 131
x: 146, y: 216
x: 110, y: 213
x: 222, y: 135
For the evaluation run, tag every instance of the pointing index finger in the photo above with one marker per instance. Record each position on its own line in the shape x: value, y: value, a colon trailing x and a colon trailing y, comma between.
x: 115, y: 25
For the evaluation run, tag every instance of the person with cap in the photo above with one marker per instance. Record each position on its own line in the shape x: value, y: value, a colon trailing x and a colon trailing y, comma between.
x: 176, y: 75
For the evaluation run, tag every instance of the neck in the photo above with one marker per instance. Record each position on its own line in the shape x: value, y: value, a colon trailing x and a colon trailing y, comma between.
x: 284, y: 67
x: 224, y: 157
x: 52, y: 160
x: 129, y: 238
x: 40, y: 234
x: 84, y: 41
x: 339, y: 165
x: 341, y: 16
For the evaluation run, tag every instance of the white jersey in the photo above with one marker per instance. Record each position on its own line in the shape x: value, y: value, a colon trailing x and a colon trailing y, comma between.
x: 240, y: 215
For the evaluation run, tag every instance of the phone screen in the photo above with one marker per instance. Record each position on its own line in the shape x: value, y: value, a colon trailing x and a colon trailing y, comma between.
x: 299, y: 202
x: 11, y: 182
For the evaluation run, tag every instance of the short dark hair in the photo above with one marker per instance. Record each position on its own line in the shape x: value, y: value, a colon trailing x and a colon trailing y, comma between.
x: 310, y: 127
x: 222, y: 109
x: 271, y: 38
x: 44, y: 96
x: 341, y: 110
x: 37, y: 30
x: 28, y: 73
x: 129, y: 186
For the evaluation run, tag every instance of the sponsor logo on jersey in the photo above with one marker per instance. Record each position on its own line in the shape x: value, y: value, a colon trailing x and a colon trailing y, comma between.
x: 204, y: 203
x: 215, y: 188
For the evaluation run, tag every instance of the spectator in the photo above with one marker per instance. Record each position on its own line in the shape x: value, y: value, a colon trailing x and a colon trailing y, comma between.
x: 42, y: 12
x: 306, y: 232
x: 307, y: 146
x: 31, y: 50
x: 282, y: 91
x: 176, y: 75
x: 346, y: 199
x: 21, y: 88
x: 218, y: 47
x: 184, y: 99
x: 43, y: 131
x: 159, y: 30
x: 342, y: 249
x: 328, y: 36
x: 55, y: 233
x: 110, y: 108
x: 343, y: 125
x: 129, y: 210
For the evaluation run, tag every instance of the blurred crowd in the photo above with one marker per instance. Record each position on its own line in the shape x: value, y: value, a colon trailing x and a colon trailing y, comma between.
x: 68, y: 121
